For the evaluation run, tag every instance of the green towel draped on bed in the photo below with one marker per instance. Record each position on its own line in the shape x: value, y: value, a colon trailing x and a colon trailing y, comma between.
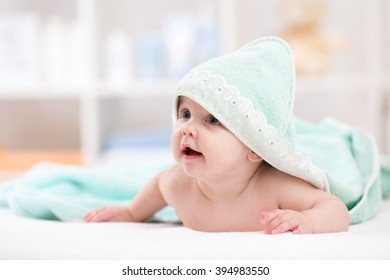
x: 355, y: 171
x: 349, y: 158
x: 60, y: 192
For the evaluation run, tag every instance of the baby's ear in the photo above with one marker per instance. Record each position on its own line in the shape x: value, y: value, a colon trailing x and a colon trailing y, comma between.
x: 253, y: 157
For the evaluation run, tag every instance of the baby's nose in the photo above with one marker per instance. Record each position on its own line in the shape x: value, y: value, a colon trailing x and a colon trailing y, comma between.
x: 189, y: 131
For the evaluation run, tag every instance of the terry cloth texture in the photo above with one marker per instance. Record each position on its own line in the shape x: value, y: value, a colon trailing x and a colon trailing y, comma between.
x: 63, y: 192
x: 251, y: 92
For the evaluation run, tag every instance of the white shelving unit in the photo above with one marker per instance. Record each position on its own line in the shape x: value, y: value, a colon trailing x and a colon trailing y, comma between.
x: 358, y: 82
x: 90, y: 94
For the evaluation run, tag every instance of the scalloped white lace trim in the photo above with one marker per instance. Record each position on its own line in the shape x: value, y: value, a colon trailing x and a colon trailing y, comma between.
x: 274, y: 148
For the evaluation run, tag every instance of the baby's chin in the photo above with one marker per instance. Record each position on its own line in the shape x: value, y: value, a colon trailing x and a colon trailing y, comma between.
x: 190, y: 172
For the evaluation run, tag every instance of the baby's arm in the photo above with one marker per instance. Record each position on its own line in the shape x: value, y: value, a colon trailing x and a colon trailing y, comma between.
x: 305, y: 209
x: 147, y: 202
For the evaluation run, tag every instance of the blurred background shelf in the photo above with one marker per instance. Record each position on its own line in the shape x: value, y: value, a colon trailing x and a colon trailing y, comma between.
x: 76, y: 74
x: 37, y: 93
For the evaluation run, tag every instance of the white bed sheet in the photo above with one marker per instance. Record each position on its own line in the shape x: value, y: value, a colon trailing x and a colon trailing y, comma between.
x: 26, y: 238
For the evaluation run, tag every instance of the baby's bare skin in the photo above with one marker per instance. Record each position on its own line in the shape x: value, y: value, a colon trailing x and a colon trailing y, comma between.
x: 219, y: 184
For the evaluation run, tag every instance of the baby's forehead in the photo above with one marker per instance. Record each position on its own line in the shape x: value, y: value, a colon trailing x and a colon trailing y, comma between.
x: 186, y: 101
x: 183, y: 99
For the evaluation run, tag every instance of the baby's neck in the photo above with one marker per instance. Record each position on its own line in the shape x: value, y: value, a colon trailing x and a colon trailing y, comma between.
x: 229, y: 188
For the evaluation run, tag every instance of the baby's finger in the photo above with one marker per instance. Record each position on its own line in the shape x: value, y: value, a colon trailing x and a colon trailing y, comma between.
x: 87, y: 217
x: 99, y: 215
x: 267, y: 216
x: 90, y: 216
x: 284, y: 227
x: 301, y: 229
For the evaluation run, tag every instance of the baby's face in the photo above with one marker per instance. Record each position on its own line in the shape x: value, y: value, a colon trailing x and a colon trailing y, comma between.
x: 202, y: 145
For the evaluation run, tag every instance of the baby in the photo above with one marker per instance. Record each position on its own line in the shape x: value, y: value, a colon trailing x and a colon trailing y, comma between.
x: 235, y: 165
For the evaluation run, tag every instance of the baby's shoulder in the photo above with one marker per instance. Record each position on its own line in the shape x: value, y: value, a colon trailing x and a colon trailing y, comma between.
x: 281, y: 180
x: 174, y: 185
x: 287, y: 190
x: 174, y: 172
x: 173, y: 177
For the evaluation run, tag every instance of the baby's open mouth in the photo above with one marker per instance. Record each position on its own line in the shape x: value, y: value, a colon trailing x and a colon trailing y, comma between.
x: 190, y: 152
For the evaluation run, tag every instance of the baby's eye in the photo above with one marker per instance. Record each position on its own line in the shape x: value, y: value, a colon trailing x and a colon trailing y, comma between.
x: 212, y: 120
x: 185, y: 114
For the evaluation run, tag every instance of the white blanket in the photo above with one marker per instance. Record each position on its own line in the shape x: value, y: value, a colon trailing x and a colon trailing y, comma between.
x: 25, y: 238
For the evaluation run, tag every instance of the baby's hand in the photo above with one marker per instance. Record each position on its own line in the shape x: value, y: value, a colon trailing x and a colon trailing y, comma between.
x: 280, y: 221
x: 109, y: 214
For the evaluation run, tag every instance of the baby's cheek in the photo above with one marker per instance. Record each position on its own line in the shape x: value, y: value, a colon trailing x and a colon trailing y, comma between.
x: 175, y: 146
